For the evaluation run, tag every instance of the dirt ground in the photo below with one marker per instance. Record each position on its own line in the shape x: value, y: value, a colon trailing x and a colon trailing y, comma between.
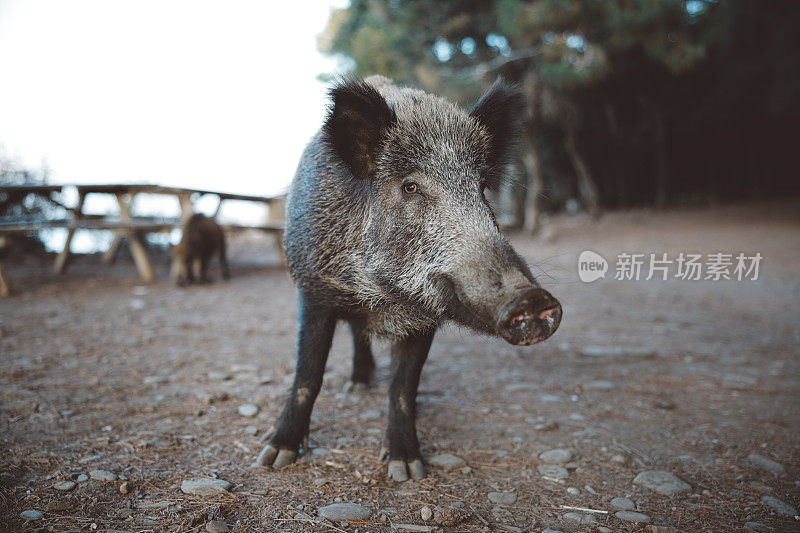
x: 98, y: 372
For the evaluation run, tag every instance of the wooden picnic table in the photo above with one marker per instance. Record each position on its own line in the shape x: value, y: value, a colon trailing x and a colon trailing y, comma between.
x: 129, y: 227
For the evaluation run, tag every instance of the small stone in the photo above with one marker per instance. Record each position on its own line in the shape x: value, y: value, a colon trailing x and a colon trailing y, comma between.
x: 155, y: 380
x: 573, y: 490
x: 661, y: 529
x: 467, y: 470
x: 320, y: 451
x: 661, y: 482
x: 82, y: 478
x: 64, y: 485
x: 248, y: 410
x: 623, y: 503
x: 632, y: 516
x: 102, y: 475
x: 502, y: 498
x: 548, y: 530
x: 413, y: 527
x: 774, y: 468
x: 371, y: 414
x: 553, y: 471
x: 558, y: 455
x: 425, y: 513
x: 31, y: 514
x: 580, y: 519
x: 123, y: 489
x: 618, y: 458
x: 447, y: 461
x: 760, y: 487
x: 319, y: 481
x: 616, y: 351
x: 780, y: 507
x: 549, y: 398
x: 599, y: 385
x: 344, y: 512
x: 217, y: 526
x: 205, y: 486
x: 604, y: 529
x: 755, y: 526
x: 217, y: 375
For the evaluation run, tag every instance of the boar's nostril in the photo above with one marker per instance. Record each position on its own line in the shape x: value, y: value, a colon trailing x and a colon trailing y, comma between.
x: 529, y: 318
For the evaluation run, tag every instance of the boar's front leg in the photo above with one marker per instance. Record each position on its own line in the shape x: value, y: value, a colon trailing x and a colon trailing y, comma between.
x: 408, y: 355
x: 317, y: 324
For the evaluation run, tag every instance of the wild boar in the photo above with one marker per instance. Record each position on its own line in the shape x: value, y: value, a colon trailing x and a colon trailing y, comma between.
x: 388, y: 229
x: 202, y: 238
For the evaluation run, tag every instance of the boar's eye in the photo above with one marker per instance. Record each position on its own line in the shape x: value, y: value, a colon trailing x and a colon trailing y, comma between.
x: 410, y: 188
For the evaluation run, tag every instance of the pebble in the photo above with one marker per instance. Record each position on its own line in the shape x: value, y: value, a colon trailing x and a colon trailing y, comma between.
x: 102, y: 475
x: 558, y: 455
x: 413, y: 527
x: 580, y: 519
x: 371, y: 414
x: 661, y: 482
x: 447, y: 461
x: 605, y: 351
x: 760, y: 487
x: 218, y: 375
x: 553, y: 471
x: 155, y: 380
x: 623, y: 503
x: 599, y: 385
x: 64, y: 485
x: 774, y: 468
x: 548, y: 530
x: 320, y: 481
x: 31, y: 514
x: 781, y: 508
x: 200, y: 486
x: 425, y: 513
x: 573, y: 490
x: 632, y: 516
x: 320, y: 451
x: 502, y: 498
x: 467, y: 470
x: 618, y: 458
x: 604, y: 529
x: 755, y: 526
x: 248, y: 410
x: 123, y: 489
x: 549, y: 398
x: 82, y: 478
x: 217, y: 526
x: 344, y: 512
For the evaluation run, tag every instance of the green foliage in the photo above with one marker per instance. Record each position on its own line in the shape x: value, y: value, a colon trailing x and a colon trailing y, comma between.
x: 639, y: 83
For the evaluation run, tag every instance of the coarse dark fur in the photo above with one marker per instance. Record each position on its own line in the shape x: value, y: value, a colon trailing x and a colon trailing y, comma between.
x: 388, y: 229
x: 202, y: 238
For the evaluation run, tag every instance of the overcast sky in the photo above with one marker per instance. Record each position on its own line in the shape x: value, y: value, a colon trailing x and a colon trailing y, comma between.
x: 218, y: 95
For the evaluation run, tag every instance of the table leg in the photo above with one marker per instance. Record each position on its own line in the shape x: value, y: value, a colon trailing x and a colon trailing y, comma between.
x: 5, y: 283
x: 111, y: 254
x: 135, y: 240
x: 63, y: 257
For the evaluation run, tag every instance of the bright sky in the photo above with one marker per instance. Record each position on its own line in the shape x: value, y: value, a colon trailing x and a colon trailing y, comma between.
x: 215, y: 95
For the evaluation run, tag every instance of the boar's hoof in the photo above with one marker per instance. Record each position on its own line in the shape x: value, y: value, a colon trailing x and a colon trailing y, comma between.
x: 276, y: 457
x: 399, y: 470
x: 354, y: 387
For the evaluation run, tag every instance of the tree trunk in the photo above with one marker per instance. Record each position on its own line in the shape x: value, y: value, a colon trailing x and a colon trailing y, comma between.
x: 587, y: 189
x: 533, y: 208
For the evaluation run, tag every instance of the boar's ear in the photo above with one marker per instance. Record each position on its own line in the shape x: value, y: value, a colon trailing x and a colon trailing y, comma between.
x: 358, y: 119
x: 500, y: 110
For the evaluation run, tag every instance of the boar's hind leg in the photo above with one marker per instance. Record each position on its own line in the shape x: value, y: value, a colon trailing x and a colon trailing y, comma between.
x: 314, y: 342
x: 363, y: 362
x: 408, y: 355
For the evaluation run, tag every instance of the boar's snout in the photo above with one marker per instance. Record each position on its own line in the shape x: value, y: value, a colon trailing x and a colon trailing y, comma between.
x: 531, y: 317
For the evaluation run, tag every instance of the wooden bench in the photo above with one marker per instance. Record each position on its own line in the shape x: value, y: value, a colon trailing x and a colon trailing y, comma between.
x: 128, y: 227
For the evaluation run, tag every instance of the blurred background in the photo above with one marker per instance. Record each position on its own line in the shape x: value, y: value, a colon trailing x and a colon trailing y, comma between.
x: 629, y: 104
